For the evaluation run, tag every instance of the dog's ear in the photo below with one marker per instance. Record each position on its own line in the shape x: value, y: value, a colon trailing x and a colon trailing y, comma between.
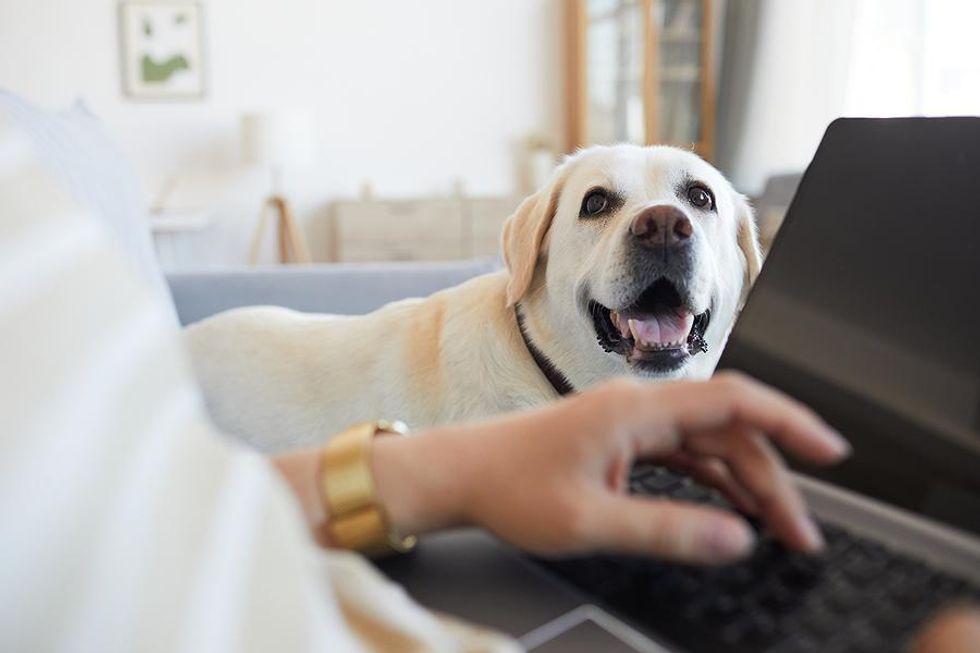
x: 748, y: 241
x: 523, y: 235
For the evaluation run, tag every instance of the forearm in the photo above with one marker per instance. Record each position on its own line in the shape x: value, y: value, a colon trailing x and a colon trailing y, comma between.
x: 419, y: 479
x: 552, y: 480
x: 416, y: 477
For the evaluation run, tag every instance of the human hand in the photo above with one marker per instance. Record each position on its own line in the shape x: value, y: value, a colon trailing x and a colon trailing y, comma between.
x: 956, y: 630
x: 553, y: 480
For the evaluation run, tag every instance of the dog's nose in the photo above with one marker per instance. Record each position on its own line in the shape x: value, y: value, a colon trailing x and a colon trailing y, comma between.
x: 660, y: 226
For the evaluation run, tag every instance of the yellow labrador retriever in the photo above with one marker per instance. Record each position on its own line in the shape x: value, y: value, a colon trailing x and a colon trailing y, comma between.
x: 631, y: 260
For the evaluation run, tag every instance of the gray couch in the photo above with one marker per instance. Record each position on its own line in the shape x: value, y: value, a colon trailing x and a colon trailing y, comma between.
x: 347, y: 289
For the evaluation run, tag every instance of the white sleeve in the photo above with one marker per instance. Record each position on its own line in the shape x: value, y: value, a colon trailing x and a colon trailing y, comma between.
x: 126, y: 522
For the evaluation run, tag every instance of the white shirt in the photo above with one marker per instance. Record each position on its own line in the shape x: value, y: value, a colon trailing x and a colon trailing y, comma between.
x: 126, y: 522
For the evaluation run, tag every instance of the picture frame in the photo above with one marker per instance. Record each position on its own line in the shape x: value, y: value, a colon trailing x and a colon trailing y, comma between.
x: 162, y: 49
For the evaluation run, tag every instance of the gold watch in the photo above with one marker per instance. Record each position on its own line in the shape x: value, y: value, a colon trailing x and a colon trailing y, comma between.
x: 357, y: 519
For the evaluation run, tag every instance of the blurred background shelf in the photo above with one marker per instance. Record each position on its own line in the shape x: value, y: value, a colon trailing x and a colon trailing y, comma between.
x: 641, y: 71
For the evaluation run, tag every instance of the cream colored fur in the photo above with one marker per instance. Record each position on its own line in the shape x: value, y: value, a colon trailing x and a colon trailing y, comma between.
x: 279, y: 378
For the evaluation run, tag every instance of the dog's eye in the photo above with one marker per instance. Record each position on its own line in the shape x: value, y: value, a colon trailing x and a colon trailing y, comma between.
x: 595, y: 203
x: 700, y: 197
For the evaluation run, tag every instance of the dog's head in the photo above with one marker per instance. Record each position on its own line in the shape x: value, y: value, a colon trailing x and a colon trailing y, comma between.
x: 631, y: 259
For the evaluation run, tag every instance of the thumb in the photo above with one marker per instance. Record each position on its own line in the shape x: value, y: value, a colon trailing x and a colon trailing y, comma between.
x: 671, y: 530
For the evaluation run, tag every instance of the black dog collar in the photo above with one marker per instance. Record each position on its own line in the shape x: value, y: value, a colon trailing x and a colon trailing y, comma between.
x: 551, y: 373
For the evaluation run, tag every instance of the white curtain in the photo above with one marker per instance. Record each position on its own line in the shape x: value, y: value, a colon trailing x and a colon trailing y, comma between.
x: 792, y: 83
x: 789, y: 67
x: 915, y: 57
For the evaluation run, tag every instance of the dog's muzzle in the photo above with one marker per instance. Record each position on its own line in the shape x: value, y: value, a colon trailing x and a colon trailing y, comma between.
x: 658, y: 330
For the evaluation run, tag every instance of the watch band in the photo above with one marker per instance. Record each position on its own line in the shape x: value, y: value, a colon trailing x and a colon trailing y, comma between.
x: 357, y: 518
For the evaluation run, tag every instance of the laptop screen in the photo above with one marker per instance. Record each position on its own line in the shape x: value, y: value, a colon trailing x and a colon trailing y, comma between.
x: 868, y: 309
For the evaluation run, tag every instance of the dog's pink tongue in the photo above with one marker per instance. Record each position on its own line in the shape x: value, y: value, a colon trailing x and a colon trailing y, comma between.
x: 665, y: 327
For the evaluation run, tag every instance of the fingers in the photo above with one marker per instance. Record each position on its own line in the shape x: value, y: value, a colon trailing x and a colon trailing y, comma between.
x: 665, y: 529
x: 728, y: 399
x: 956, y: 630
x: 713, y: 473
x: 758, y: 468
x: 729, y: 418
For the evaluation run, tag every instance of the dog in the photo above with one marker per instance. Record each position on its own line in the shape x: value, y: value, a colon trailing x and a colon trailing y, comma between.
x: 630, y: 260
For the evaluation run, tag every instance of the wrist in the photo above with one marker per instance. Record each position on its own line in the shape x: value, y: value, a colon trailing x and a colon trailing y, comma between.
x: 418, y: 481
x: 300, y: 470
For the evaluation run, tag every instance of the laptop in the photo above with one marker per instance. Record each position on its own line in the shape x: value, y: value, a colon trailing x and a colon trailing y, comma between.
x: 867, y: 309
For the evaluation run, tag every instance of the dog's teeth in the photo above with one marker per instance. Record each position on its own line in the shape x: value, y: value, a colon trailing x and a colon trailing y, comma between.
x: 633, y: 330
x: 620, y: 324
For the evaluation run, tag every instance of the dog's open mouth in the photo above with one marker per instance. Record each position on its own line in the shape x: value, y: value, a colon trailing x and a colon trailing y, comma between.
x: 658, y: 331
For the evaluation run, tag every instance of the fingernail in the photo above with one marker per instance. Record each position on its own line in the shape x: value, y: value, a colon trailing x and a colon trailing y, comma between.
x: 811, y: 533
x: 730, y: 539
x: 841, y: 446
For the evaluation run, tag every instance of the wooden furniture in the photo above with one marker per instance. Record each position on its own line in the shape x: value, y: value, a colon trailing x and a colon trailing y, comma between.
x: 641, y: 71
x: 425, y: 229
x: 290, y: 242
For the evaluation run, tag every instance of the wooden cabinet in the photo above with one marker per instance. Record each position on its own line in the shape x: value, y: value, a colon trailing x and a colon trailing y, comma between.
x: 428, y: 229
x: 398, y: 230
x: 484, y: 219
x: 641, y: 71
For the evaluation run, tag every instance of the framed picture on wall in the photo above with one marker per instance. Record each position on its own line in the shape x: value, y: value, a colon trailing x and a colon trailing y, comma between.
x: 162, y: 49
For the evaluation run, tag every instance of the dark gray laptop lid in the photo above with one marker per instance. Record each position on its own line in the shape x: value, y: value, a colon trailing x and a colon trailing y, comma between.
x: 868, y: 309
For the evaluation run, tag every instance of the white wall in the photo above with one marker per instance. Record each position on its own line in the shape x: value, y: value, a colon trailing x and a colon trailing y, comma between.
x: 796, y: 87
x: 408, y: 95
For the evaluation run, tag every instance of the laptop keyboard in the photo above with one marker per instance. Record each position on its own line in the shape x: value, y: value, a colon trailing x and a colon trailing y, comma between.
x: 856, y: 596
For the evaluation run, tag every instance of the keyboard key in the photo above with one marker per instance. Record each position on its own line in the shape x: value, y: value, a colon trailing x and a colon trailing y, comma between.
x: 797, y: 643
x: 693, y: 493
x: 659, y: 483
x: 778, y: 599
x: 861, y: 567
x: 821, y: 624
x: 841, y: 596
x: 888, y: 620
